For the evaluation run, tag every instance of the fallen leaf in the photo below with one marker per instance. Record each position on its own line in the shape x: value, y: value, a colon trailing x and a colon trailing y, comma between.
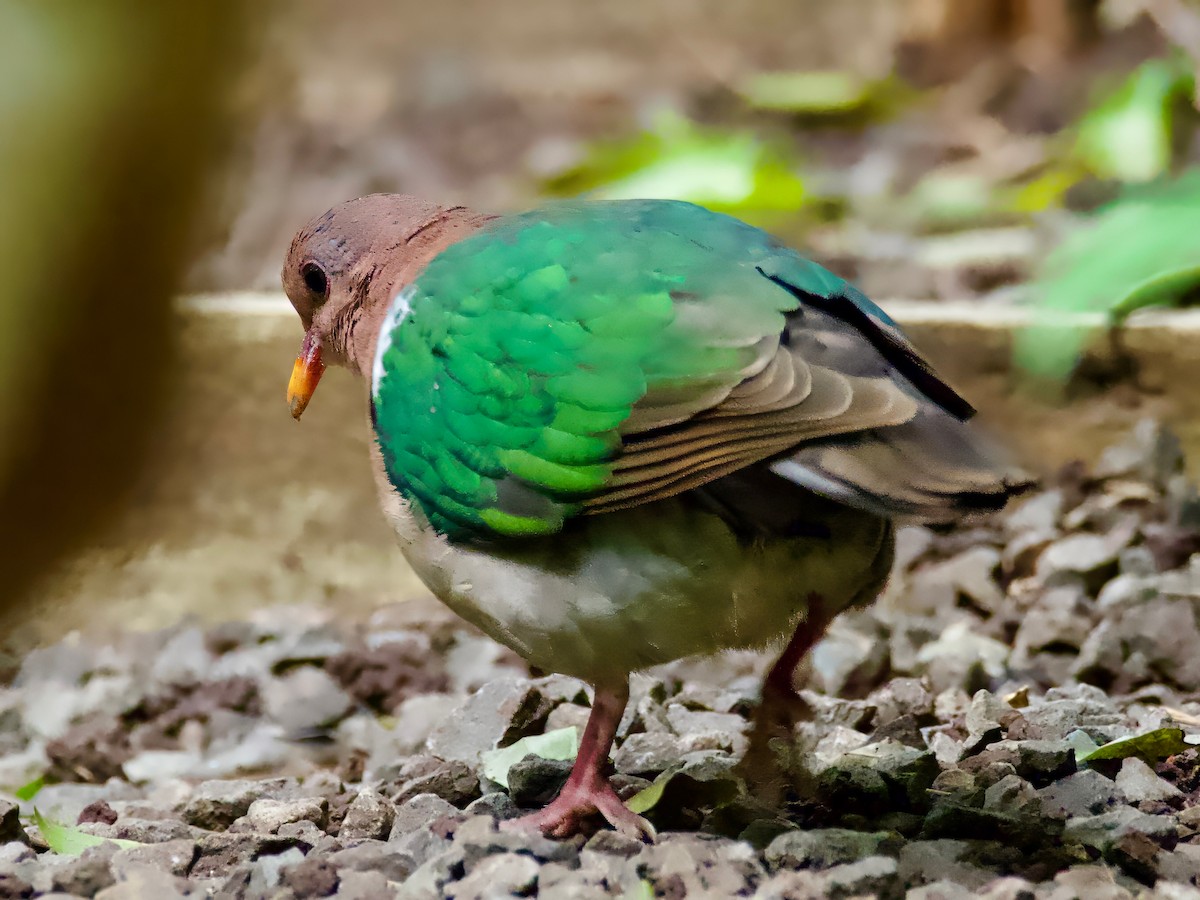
x: 562, y: 743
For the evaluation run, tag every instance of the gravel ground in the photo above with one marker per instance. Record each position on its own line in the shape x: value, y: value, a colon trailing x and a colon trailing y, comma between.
x: 951, y: 751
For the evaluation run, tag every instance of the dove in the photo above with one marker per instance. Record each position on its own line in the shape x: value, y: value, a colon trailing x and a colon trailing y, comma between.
x: 612, y: 434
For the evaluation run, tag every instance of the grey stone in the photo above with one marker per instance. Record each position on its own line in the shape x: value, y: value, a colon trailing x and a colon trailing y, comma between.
x: 698, y: 865
x: 1039, y: 513
x: 1150, y: 452
x: 19, y: 851
x: 906, y: 768
x: 145, y: 831
x: 184, y: 658
x: 1088, y: 883
x: 314, y: 876
x: 1040, y: 762
x: 214, y: 805
x: 496, y: 715
x: 824, y: 847
x: 1020, y: 556
x: 568, y: 715
x: 501, y: 875
x: 416, y: 848
x: 265, y: 816
x: 452, y: 780
x: 416, y: 718
x: 269, y: 869
x: 395, y: 862
x: 420, y: 811
x: 1091, y: 556
x: 222, y: 852
x: 928, y: 862
x: 534, y: 781
x: 1054, y: 719
x: 87, y: 874
x: 902, y: 697
x: 139, y: 882
x: 1060, y: 619
x: 1181, y: 864
x: 162, y: 765
x: 496, y: 804
x: 1104, y: 830
x: 648, y: 753
x: 307, y: 833
x: 940, y: 890
x: 1010, y: 793
x: 874, y: 876
x: 478, y: 838
x: 847, y: 656
x: 789, y: 884
x: 306, y: 699
x: 613, y: 843
x: 1085, y: 793
x: 968, y: 574
x: 1008, y: 888
x: 1127, y: 590
x: 958, y: 652
x: 175, y: 857
x: 684, y: 721
x: 370, y: 815
x: 64, y: 802
x: 1137, y: 781
x: 558, y: 880
x: 354, y: 885
x: 1171, y: 890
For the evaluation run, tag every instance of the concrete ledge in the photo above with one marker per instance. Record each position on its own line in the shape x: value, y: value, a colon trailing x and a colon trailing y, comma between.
x: 246, y: 508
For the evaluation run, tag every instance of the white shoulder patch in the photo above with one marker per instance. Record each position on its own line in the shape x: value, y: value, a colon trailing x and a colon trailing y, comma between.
x: 399, y: 310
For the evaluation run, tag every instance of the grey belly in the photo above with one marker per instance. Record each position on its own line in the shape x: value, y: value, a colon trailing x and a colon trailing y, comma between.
x: 627, y: 590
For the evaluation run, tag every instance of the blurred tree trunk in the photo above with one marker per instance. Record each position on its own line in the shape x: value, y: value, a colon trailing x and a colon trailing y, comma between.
x: 946, y: 38
x: 113, y: 113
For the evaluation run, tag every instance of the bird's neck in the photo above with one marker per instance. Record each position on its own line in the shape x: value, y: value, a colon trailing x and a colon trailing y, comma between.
x: 404, y: 265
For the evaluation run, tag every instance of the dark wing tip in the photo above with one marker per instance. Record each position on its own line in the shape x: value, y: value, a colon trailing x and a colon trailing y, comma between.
x: 890, y: 343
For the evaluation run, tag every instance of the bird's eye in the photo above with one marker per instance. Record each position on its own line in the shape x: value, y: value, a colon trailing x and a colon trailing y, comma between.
x: 315, y: 278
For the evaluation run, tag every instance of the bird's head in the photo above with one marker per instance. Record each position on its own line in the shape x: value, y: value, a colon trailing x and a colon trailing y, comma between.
x: 345, y: 266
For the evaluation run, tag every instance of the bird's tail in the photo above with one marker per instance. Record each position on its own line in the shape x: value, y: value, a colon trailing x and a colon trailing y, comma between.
x: 933, y: 468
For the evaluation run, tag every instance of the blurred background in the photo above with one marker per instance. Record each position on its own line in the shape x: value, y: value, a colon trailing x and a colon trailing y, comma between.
x: 1029, y: 165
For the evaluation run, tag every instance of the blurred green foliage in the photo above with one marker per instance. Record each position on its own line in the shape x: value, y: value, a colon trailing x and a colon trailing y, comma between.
x: 815, y: 93
x: 727, y: 169
x: 1129, y: 134
x: 1142, y: 250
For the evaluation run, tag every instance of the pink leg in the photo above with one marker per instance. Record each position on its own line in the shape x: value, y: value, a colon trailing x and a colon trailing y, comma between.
x: 781, y: 706
x: 587, y: 790
x: 779, y: 682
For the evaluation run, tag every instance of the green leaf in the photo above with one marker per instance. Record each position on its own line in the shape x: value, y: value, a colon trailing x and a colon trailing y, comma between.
x: 1139, y: 251
x: 27, y: 792
x: 1157, y: 744
x: 1128, y: 135
x: 811, y: 93
x: 562, y: 743
x: 1083, y: 745
x: 645, y: 799
x: 70, y: 841
x: 725, y: 170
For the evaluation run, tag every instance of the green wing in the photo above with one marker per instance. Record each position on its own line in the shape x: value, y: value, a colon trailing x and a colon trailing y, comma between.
x: 584, y: 357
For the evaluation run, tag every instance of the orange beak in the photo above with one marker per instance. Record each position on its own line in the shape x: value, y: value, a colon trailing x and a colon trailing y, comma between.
x: 306, y: 373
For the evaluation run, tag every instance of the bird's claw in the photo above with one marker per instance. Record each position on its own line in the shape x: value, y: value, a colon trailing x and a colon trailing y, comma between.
x: 568, y: 812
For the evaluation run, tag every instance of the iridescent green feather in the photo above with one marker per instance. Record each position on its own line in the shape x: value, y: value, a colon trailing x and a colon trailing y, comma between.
x: 527, y: 346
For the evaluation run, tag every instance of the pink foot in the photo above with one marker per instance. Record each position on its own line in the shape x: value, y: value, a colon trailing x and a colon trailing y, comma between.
x: 568, y: 812
x: 587, y: 792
